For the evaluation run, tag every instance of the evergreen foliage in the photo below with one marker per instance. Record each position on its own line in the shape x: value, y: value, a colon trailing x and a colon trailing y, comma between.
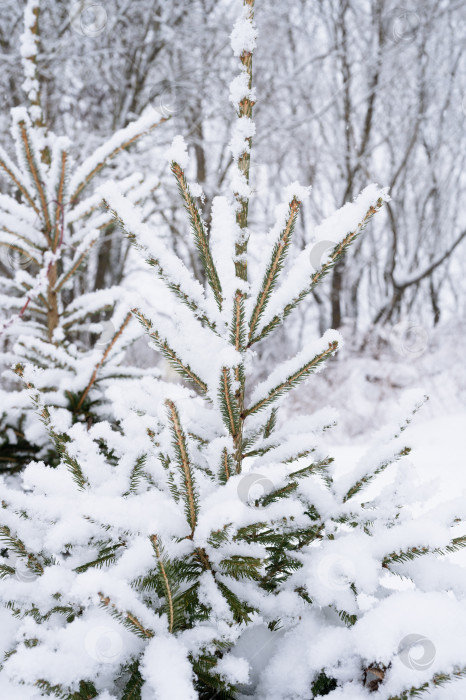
x: 51, y: 221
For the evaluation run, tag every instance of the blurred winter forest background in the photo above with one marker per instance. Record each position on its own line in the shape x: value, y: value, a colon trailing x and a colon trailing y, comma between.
x: 348, y: 92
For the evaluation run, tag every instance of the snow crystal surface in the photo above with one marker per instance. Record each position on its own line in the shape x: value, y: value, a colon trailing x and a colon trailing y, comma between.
x: 178, y: 152
x: 162, y: 656
x: 244, y: 34
x: 239, y: 89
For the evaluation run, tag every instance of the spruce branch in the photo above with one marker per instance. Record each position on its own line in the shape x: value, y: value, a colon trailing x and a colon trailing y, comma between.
x: 6, y: 571
x: 59, y: 439
x: 271, y: 423
x: 127, y: 618
x: 137, y: 474
x: 86, y: 690
x: 262, y: 434
x: 107, y: 556
x: 59, y: 210
x: 184, y: 464
x: 166, y: 583
x: 238, y: 333
x: 31, y: 56
x: 183, y: 296
x: 199, y: 233
x: 293, y: 380
x: 404, y: 556
x: 88, y: 170
x: 105, y: 355
x: 240, y: 566
x: 237, y: 337
x: 226, y: 468
x: 134, y: 684
x: 320, y: 467
x: 17, y: 545
x: 183, y: 369
x: 240, y: 610
x: 63, y: 279
x: 455, y: 545
x: 438, y: 680
x: 365, y: 480
x: 347, y: 618
x: 34, y: 169
x: 117, y: 204
x: 17, y: 248
x: 336, y: 254
x: 244, y: 160
x: 17, y: 179
x: 274, y: 267
x: 228, y: 404
x: 238, y: 330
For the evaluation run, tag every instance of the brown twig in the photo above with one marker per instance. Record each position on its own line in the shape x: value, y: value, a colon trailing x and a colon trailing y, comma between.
x: 104, y: 357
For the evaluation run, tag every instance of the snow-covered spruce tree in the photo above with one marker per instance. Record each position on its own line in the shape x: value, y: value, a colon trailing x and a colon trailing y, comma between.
x: 50, y: 221
x: 158, y: 572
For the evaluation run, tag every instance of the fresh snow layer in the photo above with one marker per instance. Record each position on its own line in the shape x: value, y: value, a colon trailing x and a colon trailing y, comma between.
x: 178, y: 152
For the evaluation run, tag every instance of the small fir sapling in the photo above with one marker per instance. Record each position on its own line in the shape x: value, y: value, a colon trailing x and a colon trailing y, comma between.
x: 51, y: 220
